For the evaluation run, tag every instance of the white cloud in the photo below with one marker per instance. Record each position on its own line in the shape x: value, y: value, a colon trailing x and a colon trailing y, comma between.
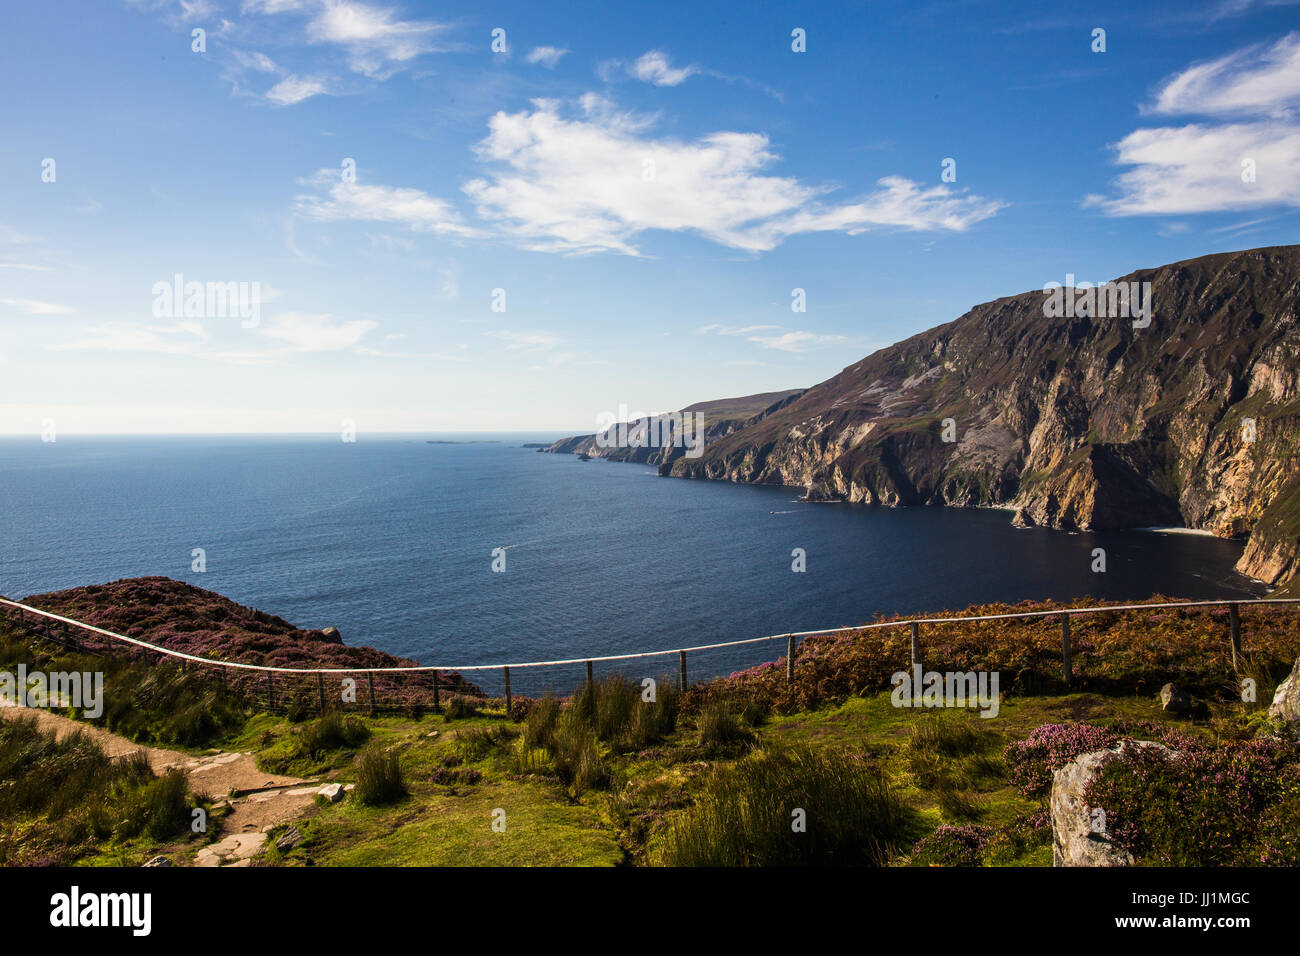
x: 1215, y: 167
x: 35, y: 307
x: 26, y: 267
x: 525, y: 341
x: 294, y: 89
x: 547, y: 56
x: 377, y: 42
x: 774, y: 337
x: 127, y: 337
x: 654, y: 67
x: 302, y: 332
x: 410, y: 207
x: 1193, y: 169
x: 1256, y: 80
x: 580, y: 185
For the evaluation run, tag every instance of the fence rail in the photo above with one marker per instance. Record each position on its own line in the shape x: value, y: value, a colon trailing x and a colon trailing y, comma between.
x: 791, y: 637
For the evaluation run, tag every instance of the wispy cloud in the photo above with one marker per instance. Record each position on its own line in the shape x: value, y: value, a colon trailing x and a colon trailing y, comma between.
x: 598, y: 181
x: 655, y: 67
x: 1217, y: 166
x: 525, y: 341
x: 775, y: 337
x: 547, y: 56
x: 36, y: 307
x: 406, y: 206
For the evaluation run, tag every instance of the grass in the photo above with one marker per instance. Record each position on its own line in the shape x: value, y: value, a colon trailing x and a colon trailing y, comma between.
x: 64, y: 800
x: 619, y: 776
x: 788, y: 808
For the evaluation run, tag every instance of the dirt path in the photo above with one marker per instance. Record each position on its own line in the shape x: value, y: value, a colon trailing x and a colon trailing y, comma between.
x: 258, y: 800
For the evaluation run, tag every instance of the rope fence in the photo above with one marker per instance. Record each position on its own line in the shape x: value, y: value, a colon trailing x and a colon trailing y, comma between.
x: 430, y: 679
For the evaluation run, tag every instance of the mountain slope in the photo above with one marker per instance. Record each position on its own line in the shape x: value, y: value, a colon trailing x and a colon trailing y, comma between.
x: 721, y: 417
x: 1077, y: 423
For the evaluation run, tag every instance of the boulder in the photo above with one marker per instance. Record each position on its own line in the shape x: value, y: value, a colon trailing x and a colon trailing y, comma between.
x: 1286, y: 699
x: 333, y: 792
x: 1175, y: 700
x: 288, y: 840
x: 332, y: 635
x: 159, y: 861
x: 1078, y: 839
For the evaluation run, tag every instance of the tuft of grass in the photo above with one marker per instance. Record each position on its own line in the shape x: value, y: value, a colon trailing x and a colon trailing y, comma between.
x: 791, y: 808
x: 379, y: 777
x: 331, y: 732
x: 721, y: 730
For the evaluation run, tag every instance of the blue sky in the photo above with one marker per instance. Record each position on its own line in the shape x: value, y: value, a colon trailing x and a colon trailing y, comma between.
x: 647, y: 185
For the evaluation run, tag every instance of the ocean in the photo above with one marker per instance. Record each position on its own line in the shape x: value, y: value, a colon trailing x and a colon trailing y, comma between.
x: 391, y: 540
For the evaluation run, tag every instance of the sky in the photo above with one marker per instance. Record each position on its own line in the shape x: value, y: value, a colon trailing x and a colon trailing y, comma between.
x: 519, y: 216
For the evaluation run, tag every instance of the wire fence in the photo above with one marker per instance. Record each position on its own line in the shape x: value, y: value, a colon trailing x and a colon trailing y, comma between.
x: 420, y: 685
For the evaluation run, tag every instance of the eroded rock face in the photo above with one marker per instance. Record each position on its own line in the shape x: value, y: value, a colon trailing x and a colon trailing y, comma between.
x: 1286, y: 699
x: 1079, y: 836
x: 1082, y: 423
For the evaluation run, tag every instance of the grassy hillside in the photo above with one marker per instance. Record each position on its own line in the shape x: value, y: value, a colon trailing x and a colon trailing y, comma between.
x: 718, y: 775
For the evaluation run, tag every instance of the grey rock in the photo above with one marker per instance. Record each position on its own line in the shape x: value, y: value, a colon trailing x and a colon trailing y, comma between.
x: 159, y: 861
x: 1174, y: 699
x: 333, y: 792
x: 1286, y: 699
x: 288, y: 840
x: 1078, y: 837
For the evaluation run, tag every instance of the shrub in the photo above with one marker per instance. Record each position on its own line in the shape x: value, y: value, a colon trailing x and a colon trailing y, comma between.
x: 379, y: 777
x: 459, y: 707
x: 539, y: 726
x: 1228, y: 805
x: 576, y: 753
x: 952, y: 846
x: 475, y: 743
x: 720, y: 730
x: 1032, y: 761
x: 331, y: 732
x: 744, y: 814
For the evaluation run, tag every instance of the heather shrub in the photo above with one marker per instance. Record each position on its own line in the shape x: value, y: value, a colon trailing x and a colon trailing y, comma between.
x: 1235, y: 804
x: 1032, y: 761
x: 952, y: 846
x: 744, y: 814
x: 379, y: 777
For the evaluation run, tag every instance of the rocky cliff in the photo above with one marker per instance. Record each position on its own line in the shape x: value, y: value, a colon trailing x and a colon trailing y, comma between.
x: 721, y: 418
x: 1077, y: 422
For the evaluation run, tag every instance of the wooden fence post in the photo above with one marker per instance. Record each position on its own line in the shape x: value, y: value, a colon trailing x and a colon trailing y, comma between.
x: 789, y: 661
x: 589, y: 682
x: 1065, y: 646
x: 270, y: 691
x: 507, y: 671
x: 916, y: 659
x: 437, y: 707
x: 370, y: 682
x: 1234, y: 628
x: 320, y: 685
x: 681, y: 655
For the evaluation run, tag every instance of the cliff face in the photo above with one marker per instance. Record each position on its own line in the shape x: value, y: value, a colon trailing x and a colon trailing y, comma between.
x: 1076, y: 422
x: 721, y: 418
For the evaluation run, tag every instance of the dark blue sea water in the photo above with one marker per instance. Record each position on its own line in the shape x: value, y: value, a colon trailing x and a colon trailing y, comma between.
x: 390, y: 539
